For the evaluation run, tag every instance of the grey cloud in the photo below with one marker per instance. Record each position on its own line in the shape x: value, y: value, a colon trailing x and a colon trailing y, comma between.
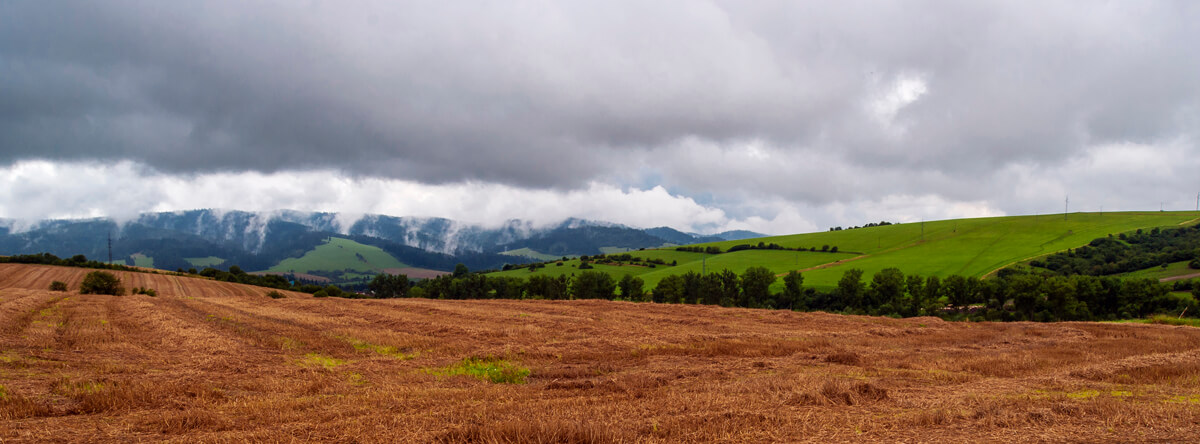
x: 554, y: 95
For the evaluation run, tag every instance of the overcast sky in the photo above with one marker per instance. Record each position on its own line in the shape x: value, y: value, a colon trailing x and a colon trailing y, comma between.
x: 778, y: 117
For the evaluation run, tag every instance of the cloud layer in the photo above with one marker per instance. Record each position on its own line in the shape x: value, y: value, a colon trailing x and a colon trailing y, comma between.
x: 778, y: 116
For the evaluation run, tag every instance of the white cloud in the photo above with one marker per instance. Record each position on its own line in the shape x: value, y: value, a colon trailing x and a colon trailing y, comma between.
x: 39, y: 189
x: 902, y: 91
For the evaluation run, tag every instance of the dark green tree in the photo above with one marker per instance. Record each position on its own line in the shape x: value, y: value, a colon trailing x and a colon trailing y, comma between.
x: 931, y: 298
x: 756, y: 287
x: 793, y: 291
x: 669, y: 290
x: 957, y: 293
x: 887, y: 289
x: 631, y: 287
x: 850, y: 289
x: 593, y: 285
x: 693, y: 286
x: 914, y: 289
x: 101, y: 282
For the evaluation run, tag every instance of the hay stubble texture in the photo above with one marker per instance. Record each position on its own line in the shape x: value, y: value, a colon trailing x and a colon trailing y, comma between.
x: 219, y: 362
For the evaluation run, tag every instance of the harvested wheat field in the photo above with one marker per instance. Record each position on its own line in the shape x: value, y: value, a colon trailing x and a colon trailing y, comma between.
x: 216, y: 362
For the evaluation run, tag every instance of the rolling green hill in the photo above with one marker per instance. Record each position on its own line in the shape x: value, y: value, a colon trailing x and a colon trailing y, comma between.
x: 339, y: 254
x: 969, y: 247
x: 1172, y: 270
x: 526, y: 252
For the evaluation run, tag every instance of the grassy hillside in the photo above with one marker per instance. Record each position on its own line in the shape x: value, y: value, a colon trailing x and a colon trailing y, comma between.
x: 141, y: 260
x: 1173, y: 270
x: 969, y: 247
x: 210, y: 261
x: 526, y: 252
x: 339, y: 254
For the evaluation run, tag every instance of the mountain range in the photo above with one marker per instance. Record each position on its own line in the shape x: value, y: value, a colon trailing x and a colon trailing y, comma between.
x: 260, y: 240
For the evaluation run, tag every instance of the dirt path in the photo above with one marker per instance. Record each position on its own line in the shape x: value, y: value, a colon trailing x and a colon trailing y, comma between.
x: 1180, y: 278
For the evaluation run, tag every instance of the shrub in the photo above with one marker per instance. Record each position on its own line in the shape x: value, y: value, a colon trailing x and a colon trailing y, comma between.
x: 146, y: 291
x: 100, y: 282
x: 58, y: 286
x: 275, y: 295
x: 321, y: 294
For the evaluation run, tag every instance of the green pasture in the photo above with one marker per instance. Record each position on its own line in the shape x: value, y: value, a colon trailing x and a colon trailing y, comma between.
x: 969, y: 247
x: 141, y: 260
x: 339, y: 254
x: 210, y: 261
x: 526, y: 252
x: 1172, y: 270
x: 778, y: 261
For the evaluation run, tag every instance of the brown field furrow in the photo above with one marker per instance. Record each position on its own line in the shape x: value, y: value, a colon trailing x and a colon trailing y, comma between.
x: 152, y: 324
x: 211, y: 361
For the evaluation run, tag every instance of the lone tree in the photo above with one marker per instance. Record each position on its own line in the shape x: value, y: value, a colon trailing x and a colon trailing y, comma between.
x: 100, y: 282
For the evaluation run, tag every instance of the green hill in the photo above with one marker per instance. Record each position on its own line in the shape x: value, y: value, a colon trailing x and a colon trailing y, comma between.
x: 526, y: 252
x: 338, y: 254
x: 969, y: 247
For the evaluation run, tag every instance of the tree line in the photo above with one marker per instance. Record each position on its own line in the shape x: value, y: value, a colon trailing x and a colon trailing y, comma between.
x: 1013, y: 296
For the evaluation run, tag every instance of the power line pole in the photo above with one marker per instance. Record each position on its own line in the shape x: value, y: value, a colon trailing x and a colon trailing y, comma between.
x: 110, y: 247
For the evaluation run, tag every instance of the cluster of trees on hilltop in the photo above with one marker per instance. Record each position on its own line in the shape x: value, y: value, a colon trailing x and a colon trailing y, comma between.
x: 1127, y: 252
x: 758, y: 246
x: 867, y: 225
x: 711, y: 249
x: 774, y: 246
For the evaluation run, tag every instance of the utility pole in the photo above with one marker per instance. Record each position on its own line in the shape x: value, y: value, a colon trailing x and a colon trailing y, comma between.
x: 922, y: 229
x: 110, y: 247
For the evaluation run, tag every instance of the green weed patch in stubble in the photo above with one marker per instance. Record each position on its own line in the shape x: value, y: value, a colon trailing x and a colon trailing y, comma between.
x: 401, y: 353
x: 491, y: 369
x: 319, y: 360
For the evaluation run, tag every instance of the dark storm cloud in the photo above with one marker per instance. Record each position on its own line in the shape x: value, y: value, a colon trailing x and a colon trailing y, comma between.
x: 557, y: 94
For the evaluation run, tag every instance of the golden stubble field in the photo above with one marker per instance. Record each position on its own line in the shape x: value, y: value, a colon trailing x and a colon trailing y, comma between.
x: 216, y: 362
